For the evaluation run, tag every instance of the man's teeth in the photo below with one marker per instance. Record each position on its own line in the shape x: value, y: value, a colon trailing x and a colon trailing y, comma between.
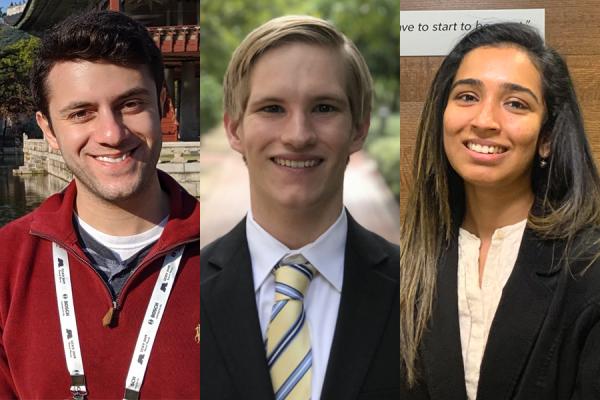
x: 295, y: 164
x: 112, y: 159
x: 485, y: 149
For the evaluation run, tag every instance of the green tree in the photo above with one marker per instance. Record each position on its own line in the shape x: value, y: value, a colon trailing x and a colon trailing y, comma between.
x: 10, y: 35
x: 374, y: 27
x: 223, y: 25
x: 15, y: 63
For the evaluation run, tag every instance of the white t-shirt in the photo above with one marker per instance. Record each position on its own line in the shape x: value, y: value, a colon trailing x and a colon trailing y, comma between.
x: 125, y: 246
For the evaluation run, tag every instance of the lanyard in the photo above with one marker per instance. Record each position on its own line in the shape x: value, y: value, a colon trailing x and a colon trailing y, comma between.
x: 146, y: 336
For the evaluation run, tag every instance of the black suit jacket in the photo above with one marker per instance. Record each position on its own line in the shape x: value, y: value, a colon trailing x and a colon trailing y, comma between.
x: 364, y: 359
x: 544, y: 341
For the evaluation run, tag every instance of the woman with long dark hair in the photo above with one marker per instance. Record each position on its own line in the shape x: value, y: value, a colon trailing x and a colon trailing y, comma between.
x: 500, y: 278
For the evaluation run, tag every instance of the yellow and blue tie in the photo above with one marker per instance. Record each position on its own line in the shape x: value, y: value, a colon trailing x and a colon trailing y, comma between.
x: 289, y: 355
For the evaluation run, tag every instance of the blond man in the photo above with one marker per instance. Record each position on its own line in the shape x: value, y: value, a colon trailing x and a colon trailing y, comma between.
x: 298, y: 301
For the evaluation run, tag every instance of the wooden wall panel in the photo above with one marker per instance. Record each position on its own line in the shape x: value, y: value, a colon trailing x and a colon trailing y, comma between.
x: 572, y: 28
x: 591, y: 116
x: 409, y: 120
x: 416, y: 74
x: 585, y: 72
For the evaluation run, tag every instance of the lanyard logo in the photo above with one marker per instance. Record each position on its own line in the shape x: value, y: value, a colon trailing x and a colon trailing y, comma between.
x: 146, y: 336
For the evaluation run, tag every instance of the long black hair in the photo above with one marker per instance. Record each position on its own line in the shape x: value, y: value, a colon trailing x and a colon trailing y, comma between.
x: 566, y: 190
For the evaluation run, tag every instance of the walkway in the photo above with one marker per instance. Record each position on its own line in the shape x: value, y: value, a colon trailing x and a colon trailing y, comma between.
x: 225, y: 197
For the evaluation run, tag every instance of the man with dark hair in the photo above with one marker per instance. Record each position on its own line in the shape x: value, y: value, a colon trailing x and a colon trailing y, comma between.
x: 99, y: 286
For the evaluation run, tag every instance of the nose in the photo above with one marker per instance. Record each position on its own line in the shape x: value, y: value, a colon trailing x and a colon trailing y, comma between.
x: 299, y: 131
x: 486, y: 118
x: 110, y: 130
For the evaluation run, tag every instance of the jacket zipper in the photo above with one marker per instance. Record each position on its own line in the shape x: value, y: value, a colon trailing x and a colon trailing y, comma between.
x: 109, y: 317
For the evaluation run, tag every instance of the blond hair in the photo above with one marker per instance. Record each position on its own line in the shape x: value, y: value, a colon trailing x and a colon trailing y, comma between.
x: 296, y: 29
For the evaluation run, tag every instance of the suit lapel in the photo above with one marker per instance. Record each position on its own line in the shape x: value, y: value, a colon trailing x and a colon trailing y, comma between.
x: 229, y: 303
x: 521, y: 312
x: 365, y: 307
x: 441, y: 343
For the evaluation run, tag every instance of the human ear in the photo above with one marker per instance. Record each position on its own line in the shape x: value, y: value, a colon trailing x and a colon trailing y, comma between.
x: 544, y: 149
x: 233, y: 130
x: 359, y: 134
x: 162, y: 98
x: 46, y: 128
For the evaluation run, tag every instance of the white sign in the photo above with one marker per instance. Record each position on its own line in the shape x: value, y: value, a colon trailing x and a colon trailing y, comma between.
x: 434, y: 33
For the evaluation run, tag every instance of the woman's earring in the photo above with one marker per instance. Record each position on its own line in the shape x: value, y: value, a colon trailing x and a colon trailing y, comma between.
x: 543, y: 163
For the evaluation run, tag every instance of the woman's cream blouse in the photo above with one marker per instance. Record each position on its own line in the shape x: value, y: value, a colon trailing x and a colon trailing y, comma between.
x: 477, y: 306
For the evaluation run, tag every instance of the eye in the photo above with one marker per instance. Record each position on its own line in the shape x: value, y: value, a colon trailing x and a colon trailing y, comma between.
x: 325, y: 108
x: 273, y: 108
x: 517, y: 105
x: 132, y: 105
x: 80, y: 115
x: 466, y: 97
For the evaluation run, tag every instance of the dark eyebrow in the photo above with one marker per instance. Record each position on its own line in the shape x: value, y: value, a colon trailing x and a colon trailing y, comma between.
x: 514, y: 87
x: 137, y: 91
x: 469, y: 81
x: 507, y: 86
x: 76, y: 105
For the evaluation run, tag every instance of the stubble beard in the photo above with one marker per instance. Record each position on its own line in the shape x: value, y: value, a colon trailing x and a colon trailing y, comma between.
x: 114, y: 193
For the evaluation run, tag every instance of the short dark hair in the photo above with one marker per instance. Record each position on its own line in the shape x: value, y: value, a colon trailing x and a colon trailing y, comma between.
x: 94, y: 36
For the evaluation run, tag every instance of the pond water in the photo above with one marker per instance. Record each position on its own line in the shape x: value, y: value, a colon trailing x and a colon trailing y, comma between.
x: 21, y: 194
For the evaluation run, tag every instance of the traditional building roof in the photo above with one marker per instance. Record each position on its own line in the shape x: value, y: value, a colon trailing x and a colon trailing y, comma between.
x: 40, y: 15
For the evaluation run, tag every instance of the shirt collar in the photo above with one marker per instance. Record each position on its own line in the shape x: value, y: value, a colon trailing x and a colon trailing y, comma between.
x: 499, y: 233
x: 326, y: 253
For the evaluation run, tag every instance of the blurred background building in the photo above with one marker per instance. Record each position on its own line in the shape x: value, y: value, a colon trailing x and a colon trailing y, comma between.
x: 174, y: 26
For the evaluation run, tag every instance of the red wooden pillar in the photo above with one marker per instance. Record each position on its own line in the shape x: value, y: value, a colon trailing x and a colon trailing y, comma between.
x: 114, y: 5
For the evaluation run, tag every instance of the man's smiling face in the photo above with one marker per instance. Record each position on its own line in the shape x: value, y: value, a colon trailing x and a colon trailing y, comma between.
x: 297, y: 131
x: 104, y: 119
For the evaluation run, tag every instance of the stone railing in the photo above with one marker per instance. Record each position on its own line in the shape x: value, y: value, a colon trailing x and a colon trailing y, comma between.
x: 181, y: 160
x: 178, y: 159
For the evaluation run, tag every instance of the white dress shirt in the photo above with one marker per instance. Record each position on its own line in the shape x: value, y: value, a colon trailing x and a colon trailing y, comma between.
x: 322, y: 298
x: 477, y: 305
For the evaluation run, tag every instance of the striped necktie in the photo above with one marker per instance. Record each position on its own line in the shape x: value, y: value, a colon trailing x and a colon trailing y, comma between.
x: 289, y: 355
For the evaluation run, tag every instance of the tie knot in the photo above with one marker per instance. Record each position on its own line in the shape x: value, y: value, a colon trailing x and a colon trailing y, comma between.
x: 292, y: 276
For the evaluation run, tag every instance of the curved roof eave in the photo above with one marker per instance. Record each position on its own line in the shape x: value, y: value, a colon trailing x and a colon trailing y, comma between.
x: 40, y: 15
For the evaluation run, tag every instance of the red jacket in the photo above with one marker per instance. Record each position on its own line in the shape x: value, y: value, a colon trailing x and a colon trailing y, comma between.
x: 32, y: 360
